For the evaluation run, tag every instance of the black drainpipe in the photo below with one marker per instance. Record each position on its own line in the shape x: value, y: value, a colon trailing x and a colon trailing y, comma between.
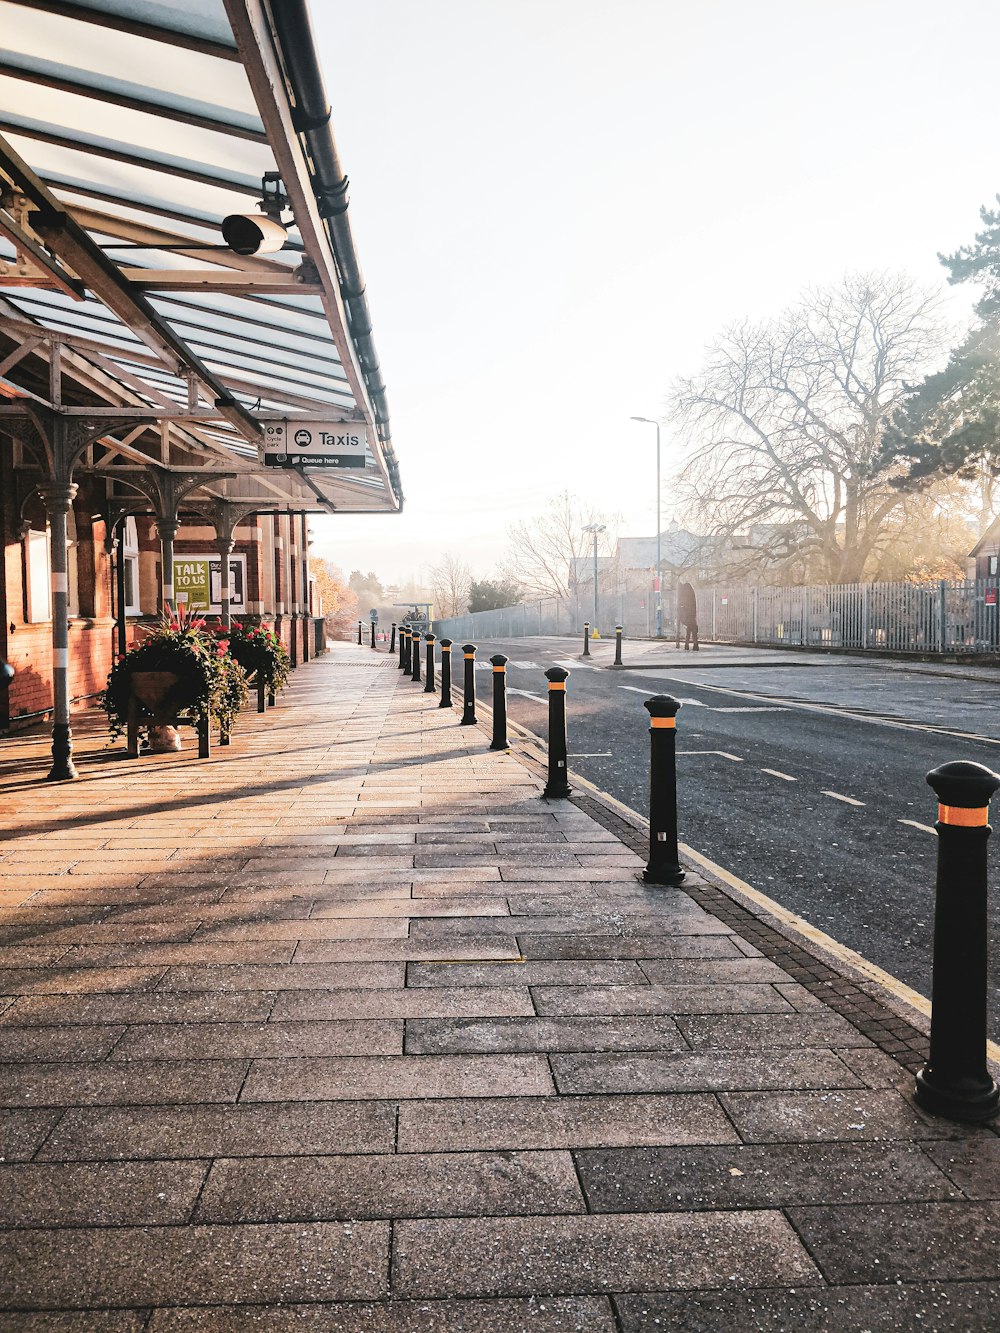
x: 311, y: 118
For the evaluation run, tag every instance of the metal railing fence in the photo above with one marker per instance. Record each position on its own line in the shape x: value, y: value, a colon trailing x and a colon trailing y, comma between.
x: 939, y: 617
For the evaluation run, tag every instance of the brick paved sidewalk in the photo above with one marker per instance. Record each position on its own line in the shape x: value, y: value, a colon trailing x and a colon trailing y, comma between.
x: 345, y: 1029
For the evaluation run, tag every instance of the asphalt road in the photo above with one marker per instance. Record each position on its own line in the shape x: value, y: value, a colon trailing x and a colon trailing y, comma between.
x: 826, y: 812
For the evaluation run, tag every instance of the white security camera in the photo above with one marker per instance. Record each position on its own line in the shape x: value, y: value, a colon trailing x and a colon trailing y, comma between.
x: 253, y: 234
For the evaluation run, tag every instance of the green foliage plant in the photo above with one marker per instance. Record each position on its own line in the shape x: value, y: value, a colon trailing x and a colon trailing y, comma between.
x: 259, y: 652
x: 210, y: 682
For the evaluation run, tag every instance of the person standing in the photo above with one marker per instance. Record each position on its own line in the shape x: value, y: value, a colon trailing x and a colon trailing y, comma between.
x: 687, y: 610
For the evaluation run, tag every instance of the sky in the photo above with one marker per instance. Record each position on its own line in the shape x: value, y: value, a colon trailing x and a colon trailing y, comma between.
x: 559, y: 203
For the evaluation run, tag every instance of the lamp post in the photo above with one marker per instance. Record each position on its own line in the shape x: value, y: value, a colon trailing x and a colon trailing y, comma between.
x: 659, y: 579
x: 594, y: 529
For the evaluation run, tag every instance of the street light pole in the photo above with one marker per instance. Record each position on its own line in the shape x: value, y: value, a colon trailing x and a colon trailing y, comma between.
x: 659, y: 563
x: 594, y: 529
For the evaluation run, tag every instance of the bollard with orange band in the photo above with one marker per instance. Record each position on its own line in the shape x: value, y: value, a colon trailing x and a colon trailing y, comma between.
x: 469, y: 700
x: 664, y: 865
x: 586, y: 638
x: 557, y: 785
x: 415, y: 656
x: 499, y: 664
x: 619, y: 630
x: 429, y: 640
x: 404, y: 640
x: 392, y: 638
x: 445, y: 674
x: 955, y: 1082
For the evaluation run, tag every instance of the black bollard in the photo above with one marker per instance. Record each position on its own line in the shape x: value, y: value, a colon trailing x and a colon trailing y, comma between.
x: 557, y: 785
x: 359, y: 631
x: 429, y: 640
x: 204, y: 736
x: 445, y: 674
x: 372, y: 644
x: 392, y: 638
x: 955, y: 1082
x: 261, y: 695
x: 586, y: 638
x: 664, y: 866
x: 618, y: 645
x: 404, y: 648
x: 469, y: 701
x: 415, y: 657
x: 499, y: 664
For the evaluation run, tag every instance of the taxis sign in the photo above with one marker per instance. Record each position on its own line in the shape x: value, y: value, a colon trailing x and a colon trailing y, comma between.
x: 308, y: 442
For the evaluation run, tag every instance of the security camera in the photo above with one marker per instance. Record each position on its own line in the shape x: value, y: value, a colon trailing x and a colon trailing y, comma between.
x: 259, y: 233
x: 253, y: 233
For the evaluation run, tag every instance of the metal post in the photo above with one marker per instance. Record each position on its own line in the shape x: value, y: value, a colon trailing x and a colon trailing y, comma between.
x: 372, y: 644
x: 404, y: 648
x: 261, y: 695
x: 121, y: 623
x: 58, y: 497
x: 955, y: 1082
x: 499, y: 664
x: 664, y: 865
x: 205, y: 737
x: 224, y: 546
x: 618, y: 645
x: 597, y: 612
x: 586, y: 638
x: 392, y: 641
x: 557, y: 785
x: 359, y: 633
x: 445, y: 674
x: 469, y: 699
x: 429, y: 640
x: 167, y: 531
x: 415, y: 656
x: 943, y: 613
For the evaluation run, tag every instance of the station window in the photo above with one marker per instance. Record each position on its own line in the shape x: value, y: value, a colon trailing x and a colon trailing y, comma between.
x: 130, y: 555
x: 36, y: 559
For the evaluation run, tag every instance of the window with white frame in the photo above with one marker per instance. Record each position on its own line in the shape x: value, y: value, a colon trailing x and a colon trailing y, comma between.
x: 129, y: 553
x: 38, y: 580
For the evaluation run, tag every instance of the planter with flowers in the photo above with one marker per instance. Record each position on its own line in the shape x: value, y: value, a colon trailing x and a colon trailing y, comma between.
x: 178, y: 673
x: 261, y: 654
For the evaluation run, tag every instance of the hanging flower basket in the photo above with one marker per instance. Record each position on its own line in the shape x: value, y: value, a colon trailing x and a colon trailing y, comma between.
x: 179, y: 673
x: 259, y: 652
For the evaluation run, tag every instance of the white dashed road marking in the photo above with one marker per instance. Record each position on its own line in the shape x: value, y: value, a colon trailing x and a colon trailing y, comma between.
x: 777, y: 773
x: 848, y: 800
x: 913, y: 823
x: 722, y: 753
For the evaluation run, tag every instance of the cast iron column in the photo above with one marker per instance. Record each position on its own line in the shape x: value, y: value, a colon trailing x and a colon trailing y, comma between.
x: 58, y: 497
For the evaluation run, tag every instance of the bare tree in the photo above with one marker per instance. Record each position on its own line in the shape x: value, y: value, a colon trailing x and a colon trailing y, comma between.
x: 548, y: 554
x: 450, y: 583
x: 784, y: 427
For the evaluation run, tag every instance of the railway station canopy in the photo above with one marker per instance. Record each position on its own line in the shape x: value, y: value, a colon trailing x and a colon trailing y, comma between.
x: 176, y: 255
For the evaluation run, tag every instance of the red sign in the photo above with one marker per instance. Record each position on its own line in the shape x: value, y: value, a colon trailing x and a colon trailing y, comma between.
x: 991, y: 597
x: 656, y: 585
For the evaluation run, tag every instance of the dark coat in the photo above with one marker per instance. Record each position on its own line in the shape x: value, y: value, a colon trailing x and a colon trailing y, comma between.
x: 687, y: 605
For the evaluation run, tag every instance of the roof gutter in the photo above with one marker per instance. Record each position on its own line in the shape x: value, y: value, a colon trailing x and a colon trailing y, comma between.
x: 311, y: 117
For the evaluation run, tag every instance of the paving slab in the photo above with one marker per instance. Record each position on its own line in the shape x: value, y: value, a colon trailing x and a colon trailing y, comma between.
x: 346, y: 1029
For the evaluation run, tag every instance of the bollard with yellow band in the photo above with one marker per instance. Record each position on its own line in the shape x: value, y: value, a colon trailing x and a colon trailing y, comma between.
x: 956, y: 1082
x: 429, y: 640
x: 586, y: 638
x: 469, y: 699
x: 404, y: 643
x: 392, y: 638
x: 664, y: 865
x: 557, y: 786
x: 499, y: 664
x: 619, y: 630
x: 360, y: 627
x: 415, y: 656
x: 445, y: 674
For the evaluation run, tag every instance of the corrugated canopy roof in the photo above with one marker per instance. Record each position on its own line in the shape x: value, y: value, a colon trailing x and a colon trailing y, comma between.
x: 128, y: 131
